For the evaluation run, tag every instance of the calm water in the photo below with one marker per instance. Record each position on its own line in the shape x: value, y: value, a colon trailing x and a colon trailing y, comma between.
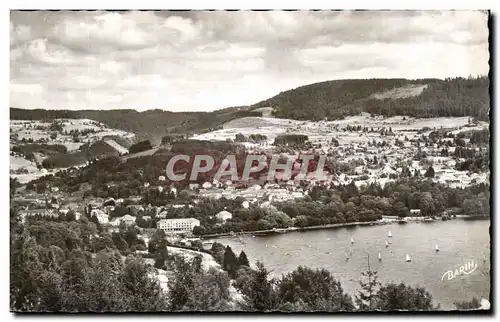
x: 459, y: 242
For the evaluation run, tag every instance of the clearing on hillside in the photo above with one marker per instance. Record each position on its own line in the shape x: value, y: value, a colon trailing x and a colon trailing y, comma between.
x: 401, y: 92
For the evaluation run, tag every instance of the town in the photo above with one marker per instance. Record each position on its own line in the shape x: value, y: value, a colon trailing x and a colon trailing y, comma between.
x: 382, y: 151
x: 249, y: 161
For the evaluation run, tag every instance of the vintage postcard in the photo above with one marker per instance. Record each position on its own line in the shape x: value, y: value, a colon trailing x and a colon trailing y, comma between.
x: 249, y: 161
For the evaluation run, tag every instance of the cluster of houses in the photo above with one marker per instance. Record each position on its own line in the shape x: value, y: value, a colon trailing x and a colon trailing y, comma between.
x: 272, y: 192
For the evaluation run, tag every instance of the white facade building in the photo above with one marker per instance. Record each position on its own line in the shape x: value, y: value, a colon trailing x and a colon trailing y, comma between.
x: 223, y: 216
x: 128, y: 220
x: 178, y: 225
x: 102, y: 217
x: 115, y: 222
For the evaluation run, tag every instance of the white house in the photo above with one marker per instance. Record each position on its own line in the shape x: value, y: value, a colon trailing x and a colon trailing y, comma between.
x: 128, y: 220
x: 223, y: 216
x: 115, y: 222
x: 102, y: 217
x: 415, y: 211
x: 41, y: 212
x: 178, y: 225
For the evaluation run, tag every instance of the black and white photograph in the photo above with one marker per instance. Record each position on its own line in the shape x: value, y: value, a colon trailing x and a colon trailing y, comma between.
x: 250, y: 161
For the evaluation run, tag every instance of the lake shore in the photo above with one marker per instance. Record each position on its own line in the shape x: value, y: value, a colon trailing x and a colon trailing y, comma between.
x: 330, y: 226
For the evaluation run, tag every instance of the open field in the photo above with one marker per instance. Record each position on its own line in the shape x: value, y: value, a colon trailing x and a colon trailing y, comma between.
x: 401, y: 92
x: 71, y: 133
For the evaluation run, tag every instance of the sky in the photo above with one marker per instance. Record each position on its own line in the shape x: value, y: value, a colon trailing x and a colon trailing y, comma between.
x: 202, y: 61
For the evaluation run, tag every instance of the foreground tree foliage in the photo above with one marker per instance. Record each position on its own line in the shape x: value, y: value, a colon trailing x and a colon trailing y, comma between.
x: 312, y: 290
x: 56, y: 266
x: 392, y: 297
x: 468, y: 305
x: 193, y: 289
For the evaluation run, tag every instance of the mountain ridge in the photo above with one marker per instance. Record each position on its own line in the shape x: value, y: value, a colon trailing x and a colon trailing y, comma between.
x: 318, y: 101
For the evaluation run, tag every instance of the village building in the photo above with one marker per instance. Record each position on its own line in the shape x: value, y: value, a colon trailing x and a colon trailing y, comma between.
x: 223, y: 216
x: 115, y: 222
x: 128, y: 220
x: 178, y: 225
x: 102, y: 217
x: 162, y: 215
x: 37, y: 212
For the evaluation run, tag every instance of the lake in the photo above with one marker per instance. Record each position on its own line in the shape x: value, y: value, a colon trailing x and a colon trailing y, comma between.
x: 459, y: 242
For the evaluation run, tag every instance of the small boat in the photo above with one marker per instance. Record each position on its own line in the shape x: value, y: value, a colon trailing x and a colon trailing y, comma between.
x: 379, y: 257
x: 389, y: 234
x: 437, y: 248
x: 386, y: 244
x: 408, y: 259
x: 390, y: 242
x: 352, y: 240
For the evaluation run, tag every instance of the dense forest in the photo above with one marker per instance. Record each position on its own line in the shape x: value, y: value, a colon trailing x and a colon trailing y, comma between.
x: 86, y: 153
x: 152, y: 122
x: 340, y: 98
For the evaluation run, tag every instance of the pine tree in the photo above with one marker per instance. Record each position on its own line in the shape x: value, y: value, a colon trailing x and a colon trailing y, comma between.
x: 96, y: 222
x: 261, y: 290
x: 366, y: 297
x: 243, y: 260
x: 230, y: 263
x: 159, y: 262
x: 430, y: 172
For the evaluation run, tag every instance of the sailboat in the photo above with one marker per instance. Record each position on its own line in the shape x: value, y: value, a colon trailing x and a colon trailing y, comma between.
x: 408, y: 259
x: 379, y: 257
x: 437, y: 248
x: 352, y: 240
x: 386, y: 244
x: 389, y: 234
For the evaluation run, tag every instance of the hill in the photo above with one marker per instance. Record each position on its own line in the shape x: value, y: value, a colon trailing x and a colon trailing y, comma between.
x: 153, y: 123
x: 421, y: 98
x: 98, y: 149
x: 418, y: 98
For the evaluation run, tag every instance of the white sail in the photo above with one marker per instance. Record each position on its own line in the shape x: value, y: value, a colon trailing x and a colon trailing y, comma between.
x: 437, y: 248
x: 352, y: 240
x: 389, y: 234
x: 379, y: 257
x: 386, y: 244
x: 408, y: 259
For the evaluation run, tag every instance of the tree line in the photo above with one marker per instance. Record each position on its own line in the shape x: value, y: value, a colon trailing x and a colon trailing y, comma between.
x: 340, y: 98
